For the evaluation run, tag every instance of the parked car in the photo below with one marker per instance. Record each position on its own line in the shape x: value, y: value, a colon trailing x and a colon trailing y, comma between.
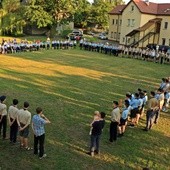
x: 73, y: 36
x: 78, y: 32
x: 90, y: 33
x: 161, y: 47
x: 102, y: 36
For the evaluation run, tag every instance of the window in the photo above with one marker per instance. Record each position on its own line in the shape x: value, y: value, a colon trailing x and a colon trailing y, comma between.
x: 113, y: 21
x: 119, y: 36
x: 133, y: 23
x: 163, y: 41
x: 132, y: 8
x: 128, y: 23
x: 128, y: 40
x: 123, y: 39
x: 166, y: 25
x: 169, y: 42
x: 116, y: 21
x: 120, y: 22
x: 115, y: 35
x: 111, y: 35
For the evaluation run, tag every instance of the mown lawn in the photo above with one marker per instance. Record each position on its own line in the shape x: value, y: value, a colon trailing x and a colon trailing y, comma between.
x: 70, y: 85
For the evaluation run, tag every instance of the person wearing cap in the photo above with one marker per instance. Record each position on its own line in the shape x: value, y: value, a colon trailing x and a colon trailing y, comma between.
x: 38, y: 122
x: 12, y: 118
x: 3, y: 116
x: 115, y: 119
x: 152, y: 107
x: 24, y: 120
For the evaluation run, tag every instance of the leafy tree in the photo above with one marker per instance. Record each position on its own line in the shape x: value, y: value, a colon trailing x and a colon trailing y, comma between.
x: 36, y: 14
x: 100, y: 9
x: 82, y: 13
x: 12, y: 20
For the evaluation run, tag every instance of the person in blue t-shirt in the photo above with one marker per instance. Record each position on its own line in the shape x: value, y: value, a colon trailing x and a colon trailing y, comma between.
x: 124, y: 118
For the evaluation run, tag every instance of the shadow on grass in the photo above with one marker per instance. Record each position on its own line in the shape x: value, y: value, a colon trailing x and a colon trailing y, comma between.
x: 69, y: 96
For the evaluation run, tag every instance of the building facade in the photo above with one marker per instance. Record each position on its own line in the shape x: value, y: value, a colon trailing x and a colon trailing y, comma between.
x: 140, y: 23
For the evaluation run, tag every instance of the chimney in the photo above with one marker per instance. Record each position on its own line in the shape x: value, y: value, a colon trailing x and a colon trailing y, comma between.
x: 147, y: 2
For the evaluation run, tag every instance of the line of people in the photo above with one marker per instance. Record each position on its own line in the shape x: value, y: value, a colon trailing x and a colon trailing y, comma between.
x: 124, y: 51
x: 129, y: 113
x: 19, y: 121
x: 13, y: 46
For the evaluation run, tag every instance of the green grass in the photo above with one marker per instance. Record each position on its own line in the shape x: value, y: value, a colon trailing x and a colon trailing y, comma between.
x: 70, y: 85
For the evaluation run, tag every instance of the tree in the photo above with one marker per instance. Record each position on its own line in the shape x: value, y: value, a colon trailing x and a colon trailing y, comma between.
x: 35, y: 14
x: 82, y: 13
x: 12, y: 20
x: 100, y: 9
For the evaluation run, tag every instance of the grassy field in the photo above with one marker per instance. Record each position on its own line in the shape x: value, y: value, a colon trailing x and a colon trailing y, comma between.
x: 69, y: 85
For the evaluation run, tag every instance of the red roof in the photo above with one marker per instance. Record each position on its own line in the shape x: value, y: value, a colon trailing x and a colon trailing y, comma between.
x: 144, y: 7
x: 117, y: 10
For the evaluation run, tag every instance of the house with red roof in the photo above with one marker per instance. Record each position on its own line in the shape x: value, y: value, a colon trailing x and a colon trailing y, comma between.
x: 139, y: 23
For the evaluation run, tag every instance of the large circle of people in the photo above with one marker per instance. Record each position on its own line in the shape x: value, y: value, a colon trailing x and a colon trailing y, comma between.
x: 147, y: 54
x: 124, y: 113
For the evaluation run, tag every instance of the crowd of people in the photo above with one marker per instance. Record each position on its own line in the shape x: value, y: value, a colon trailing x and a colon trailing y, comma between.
x: 14, y: 46
x: 158, y: 56
x: 147, y: 54
x: 129, y: 113
x: 20, y: 120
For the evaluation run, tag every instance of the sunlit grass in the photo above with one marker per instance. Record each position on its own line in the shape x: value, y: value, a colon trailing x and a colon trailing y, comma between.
x: 69, y: 85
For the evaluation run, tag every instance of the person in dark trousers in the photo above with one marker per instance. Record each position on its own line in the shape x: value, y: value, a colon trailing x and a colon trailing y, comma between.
x: 97, y: 127
x: 3, y: 116
x: 12, y: 117
x: 115, y: 119
x: 38, y: 122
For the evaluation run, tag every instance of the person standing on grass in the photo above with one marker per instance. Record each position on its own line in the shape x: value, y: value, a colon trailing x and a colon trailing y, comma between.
x: 12, y: 117
x: 161, y: 97
x: 115, y: 119
x: 3, y: 116
x: 24, y: 120
x: 96, y: 131
x: 38, y: 122
x: 152, y: 108
x: 124, y: 118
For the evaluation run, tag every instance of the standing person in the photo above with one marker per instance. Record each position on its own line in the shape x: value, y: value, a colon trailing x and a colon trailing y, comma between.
x: 24, y: 120
x: 38, y: 122
x: 152, y: 108
x: 115, y: 119
x: 95, y: 118
x: 12, y: 117
x: 96, y: 130
x: 161, y: 97
x: 124, y: 118
x: 3, y: 116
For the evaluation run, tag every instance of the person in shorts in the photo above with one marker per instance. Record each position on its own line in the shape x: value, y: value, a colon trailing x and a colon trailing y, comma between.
x: 24, y: 120
x: 124, y: 118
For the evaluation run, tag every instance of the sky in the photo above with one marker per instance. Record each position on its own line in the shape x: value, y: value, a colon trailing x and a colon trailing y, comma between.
x: 156, y: 1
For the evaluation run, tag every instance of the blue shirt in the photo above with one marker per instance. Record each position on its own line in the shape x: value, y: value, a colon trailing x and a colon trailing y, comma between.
x: 125, y: 113
x: 38, y: 125
x: 135, y: 103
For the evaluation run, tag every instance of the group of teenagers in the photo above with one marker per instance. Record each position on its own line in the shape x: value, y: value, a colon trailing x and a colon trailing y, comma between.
x: 14, y: 46
x: 129, y: 113
x: 124, y: 113
x: 19, y: 120
x: 158, y: 56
